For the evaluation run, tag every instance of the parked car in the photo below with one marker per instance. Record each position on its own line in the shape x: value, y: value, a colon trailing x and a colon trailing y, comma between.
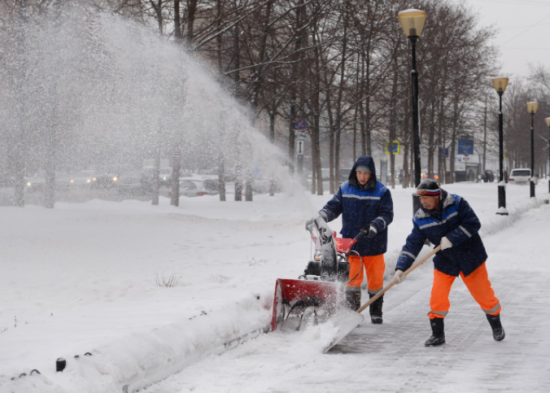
x: 131, y: 183
x: 520, y: 176
x: 424, y: 175
x: 198, y: 187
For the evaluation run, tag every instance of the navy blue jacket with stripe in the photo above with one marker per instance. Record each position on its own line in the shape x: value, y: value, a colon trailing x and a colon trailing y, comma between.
x: 456, y: 220
x: 361, y: 206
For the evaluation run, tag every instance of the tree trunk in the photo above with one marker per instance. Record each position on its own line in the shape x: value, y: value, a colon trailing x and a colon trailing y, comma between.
x: 221, y: 175
x: 272, y: 140
x: 191, y: 11
x: 177, y: 21
x: 219, y: 37
x: 176, y: 164
x: 431, y: 141
x: 156, y: 179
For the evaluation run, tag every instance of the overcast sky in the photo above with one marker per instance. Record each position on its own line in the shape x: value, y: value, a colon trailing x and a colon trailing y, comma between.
x: 523, y: 36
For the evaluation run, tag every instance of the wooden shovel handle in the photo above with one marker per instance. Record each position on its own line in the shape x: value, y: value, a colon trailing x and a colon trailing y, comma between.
x: 394, y: 281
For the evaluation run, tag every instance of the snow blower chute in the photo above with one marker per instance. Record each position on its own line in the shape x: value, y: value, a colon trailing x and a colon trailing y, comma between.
x: 317, y: 296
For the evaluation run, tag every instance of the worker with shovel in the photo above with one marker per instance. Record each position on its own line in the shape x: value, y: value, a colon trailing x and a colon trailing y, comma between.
x: 366, y: 206
x: 447, y: 220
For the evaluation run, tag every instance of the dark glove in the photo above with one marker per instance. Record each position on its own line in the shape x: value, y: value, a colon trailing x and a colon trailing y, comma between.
x: 370, y: 231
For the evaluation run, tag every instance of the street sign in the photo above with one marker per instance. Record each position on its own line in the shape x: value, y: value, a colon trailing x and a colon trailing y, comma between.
x: 300, y: 124
x: 466, y: 146
x: 395, y: 147
x: 300, y: 147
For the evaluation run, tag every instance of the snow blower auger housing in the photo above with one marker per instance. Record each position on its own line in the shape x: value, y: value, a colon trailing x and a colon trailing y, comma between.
x: 318, y: 295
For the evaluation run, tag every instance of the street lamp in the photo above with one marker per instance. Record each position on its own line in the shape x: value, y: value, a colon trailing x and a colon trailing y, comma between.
x: 500, y: 86
x: 548, y: 173
x: 412, y: 22
x: 532, y: 108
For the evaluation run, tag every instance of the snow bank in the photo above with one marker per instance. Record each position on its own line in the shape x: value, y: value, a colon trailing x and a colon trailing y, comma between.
x: 140, y: 359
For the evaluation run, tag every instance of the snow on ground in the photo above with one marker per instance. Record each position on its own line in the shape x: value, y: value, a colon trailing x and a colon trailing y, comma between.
x: 85, y: 278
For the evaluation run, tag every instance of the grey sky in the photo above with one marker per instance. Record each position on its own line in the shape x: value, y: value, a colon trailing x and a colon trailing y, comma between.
x: 523, y: 32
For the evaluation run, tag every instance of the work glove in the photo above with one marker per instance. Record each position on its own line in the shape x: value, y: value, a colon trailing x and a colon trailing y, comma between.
x: 445, y: 243
x: 370, y: 231
x: 310, y: 223
x: 398, y: 276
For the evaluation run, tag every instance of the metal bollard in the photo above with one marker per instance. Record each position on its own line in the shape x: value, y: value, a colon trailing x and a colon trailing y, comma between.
x: 60, y: 364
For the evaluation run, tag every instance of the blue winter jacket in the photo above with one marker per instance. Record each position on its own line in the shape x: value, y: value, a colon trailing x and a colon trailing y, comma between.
x: 456, y: 220
x: 361, y: 206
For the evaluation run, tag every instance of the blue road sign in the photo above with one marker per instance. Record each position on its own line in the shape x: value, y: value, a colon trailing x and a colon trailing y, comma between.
x: 300, y: 124
x: 466, y: 146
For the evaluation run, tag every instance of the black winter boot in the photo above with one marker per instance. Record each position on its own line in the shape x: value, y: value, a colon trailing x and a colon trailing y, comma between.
x: 375, y: 309
x: 438, y: 333
x: 498, y: 331
x: 353, y: 300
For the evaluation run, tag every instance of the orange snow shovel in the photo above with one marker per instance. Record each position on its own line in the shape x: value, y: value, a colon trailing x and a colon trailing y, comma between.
x: 340, y: 336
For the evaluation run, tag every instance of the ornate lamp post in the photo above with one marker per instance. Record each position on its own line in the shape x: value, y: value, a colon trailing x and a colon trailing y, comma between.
x: 532, y: 108
x: 412, y: 22
x: 500, y: 86
x: 548, y: 173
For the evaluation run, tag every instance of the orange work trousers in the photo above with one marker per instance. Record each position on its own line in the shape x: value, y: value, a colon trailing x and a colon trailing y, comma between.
x: 375, y: 267
x: 477, y: 283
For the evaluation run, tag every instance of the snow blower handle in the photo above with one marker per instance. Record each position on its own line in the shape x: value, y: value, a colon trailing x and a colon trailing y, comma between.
x: 394, y: 281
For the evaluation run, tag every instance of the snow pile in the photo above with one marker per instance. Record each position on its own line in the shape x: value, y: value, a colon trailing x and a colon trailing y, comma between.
x: 137, y: 360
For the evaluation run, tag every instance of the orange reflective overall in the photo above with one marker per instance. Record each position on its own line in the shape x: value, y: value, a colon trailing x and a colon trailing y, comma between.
x: 477, y: 283
x: 375, y: 267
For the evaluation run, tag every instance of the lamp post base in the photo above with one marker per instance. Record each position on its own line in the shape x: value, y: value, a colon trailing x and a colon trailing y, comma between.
x: 502, y: 200
x: 532, y: 187
x: 502, y: 211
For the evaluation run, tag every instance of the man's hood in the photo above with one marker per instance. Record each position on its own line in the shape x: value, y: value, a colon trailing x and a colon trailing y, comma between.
x: 369, y: 163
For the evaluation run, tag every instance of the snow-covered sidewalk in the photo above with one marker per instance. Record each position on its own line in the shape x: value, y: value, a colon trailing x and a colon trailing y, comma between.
x: 83, y: 278
x: 392, y: 358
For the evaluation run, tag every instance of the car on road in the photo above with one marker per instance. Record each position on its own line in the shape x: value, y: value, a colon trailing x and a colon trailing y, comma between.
x: 104, y: 180
x: 520, y: 176
x: 82, y: 179
x: 37, y: 182
x: 131, y: 183
x: 165, y: 177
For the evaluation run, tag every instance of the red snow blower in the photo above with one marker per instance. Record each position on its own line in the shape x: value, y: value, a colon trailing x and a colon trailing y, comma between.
x: 317, y: 296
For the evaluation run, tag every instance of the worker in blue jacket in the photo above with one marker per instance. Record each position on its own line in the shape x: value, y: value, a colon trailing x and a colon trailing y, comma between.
x: 448, y: 220
x: 366, y: 206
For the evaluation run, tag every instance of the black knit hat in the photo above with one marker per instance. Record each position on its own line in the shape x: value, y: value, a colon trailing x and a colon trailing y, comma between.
x: 428, y: 187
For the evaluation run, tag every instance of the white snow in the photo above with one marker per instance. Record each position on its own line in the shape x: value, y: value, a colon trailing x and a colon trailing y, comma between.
x: 83, y: 278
